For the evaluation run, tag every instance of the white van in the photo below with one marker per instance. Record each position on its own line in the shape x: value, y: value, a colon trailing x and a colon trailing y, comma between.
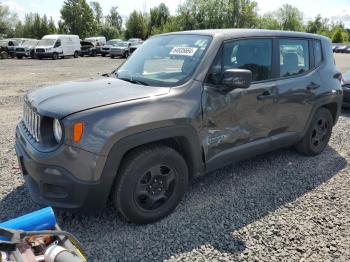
x: 98, y: 42
x: 55, y: 46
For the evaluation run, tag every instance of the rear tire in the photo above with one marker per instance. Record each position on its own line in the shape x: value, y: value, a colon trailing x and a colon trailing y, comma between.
x: 318, y: 134
x: 150, y: 184
x: 112, y: 56
x: 103, y: 55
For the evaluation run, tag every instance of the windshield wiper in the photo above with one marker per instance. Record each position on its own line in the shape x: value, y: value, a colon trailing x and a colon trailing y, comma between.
x: 134, y: 81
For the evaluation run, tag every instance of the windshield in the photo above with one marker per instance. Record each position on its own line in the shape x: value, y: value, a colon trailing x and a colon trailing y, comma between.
x: 29, y: 42
x: 47, y: 42
x: 112, y: 42
x: 167, y: 60
x: 122, y: 44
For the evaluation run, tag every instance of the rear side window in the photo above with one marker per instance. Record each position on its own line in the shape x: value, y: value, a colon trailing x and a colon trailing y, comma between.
x: 252, y: 54
x: 318, y: 52
x: 294, y: 57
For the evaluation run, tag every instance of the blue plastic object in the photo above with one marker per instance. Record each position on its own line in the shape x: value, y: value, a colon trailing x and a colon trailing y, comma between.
x: 41, y: 219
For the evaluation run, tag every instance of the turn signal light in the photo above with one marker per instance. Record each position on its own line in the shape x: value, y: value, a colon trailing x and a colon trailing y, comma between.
x: 78, y: 129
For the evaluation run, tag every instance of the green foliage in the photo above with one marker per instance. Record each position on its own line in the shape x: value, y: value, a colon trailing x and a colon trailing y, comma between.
x: 136, y: 26
x: 338, y: 35
x: 8, y: 21
x: 202, y: 14
x: 157, y: 19
x: 114, y: 19
x: 268, y: 21
x: 290, y: 18
x: 97, y: 10
x: 78, y: 18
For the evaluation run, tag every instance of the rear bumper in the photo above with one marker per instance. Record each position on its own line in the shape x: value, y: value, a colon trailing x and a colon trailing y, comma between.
x: 53, y: 184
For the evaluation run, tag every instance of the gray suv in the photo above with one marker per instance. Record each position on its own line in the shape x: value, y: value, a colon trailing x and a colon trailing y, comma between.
x: 182, y: 105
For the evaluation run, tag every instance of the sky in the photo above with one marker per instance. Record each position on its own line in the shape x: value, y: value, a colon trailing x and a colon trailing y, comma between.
x: 336, y: 10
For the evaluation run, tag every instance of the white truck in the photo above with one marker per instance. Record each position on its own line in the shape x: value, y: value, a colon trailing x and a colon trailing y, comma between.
x: 55, y: 46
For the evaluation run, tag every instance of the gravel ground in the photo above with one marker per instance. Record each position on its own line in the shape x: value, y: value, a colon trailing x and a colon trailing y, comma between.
x: 276, y: 207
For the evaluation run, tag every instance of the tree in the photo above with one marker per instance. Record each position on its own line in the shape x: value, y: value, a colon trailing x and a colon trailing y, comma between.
x: 158, y: 18
x: 136, y: 26
x: 78, y: 18
x: 338, y: 35
x: 290, y: 18
x: 51, y: 26
x: 268, y: 21
x: 114, y: 19
x: 97, y: 10
x: 8, y: 21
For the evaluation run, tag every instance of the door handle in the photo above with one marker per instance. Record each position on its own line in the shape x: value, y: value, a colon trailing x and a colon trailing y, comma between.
x: 265, y: 95
x: 312, y: 86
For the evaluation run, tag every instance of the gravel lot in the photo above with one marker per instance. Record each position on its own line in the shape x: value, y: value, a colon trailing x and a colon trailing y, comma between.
x: 276, y: 207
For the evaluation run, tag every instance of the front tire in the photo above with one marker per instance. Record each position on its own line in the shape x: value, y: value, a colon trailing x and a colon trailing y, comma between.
x: 76, y: 54
x: 151, y: 183
x: 54, y: 56
x: 112, y: 56
x: 318, y: 134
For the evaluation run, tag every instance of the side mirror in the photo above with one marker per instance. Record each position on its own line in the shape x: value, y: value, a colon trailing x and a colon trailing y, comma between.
x: 236, y: 78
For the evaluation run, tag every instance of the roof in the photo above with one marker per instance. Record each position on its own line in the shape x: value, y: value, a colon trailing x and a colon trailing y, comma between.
x: 234, y: 33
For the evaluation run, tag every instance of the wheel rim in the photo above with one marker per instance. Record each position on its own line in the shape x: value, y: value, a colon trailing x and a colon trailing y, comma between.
x: 320, y: 133
x: 156, y: 187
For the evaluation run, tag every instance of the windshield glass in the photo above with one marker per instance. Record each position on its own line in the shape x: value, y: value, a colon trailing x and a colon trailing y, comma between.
x: 47, y: 42
x: 112, y: 42
x: 122, y: 44
x: 29, y: 42
x: 167, y: 60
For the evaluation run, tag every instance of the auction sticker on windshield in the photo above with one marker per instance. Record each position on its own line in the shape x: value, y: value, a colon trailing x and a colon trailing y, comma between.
x: 187, y: 51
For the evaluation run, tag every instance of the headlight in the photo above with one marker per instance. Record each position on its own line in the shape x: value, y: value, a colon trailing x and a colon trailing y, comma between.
x: 57, y: 130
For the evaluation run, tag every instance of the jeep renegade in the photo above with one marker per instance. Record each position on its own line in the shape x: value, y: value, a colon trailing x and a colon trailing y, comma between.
x: 182, y: 105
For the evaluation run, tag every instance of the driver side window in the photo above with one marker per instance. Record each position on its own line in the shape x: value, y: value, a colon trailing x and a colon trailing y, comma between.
x: 58, y: 43
x: 252, y: 54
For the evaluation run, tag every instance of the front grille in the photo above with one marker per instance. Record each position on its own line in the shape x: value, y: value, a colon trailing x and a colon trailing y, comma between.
x: 31, y: 121
x: 20, y: 49
x: 346, y: 85
x: 40, y: 50
x: 105, y: 48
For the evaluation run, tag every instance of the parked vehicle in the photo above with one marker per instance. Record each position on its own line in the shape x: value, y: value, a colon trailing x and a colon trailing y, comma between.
x: 106, y: 49
x: 134, y: 46
x: 334, y: 47
x: 98, y: 41
x: 55, y: 46
x: 184, y: 104
x: 347, y: 50
x: 121, y: 49
x: 7, y: 48
x: 27, y: 48
x: 88, y: 48
x: 346, y: 89
x: 340, y: 49
x: 135, y: 40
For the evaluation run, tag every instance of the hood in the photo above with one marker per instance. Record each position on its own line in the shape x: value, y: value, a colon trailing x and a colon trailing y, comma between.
x: 119, y: 47
x: 44, y: 46
x: 61, y: 100
x: 346, y: 77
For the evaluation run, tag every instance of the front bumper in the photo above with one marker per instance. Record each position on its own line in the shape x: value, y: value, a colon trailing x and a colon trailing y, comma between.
x: 105, y: 52
x: 50, y: 179
x: 44, y: 54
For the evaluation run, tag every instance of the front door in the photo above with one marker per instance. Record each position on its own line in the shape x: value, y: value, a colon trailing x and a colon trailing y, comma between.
x: 243, y: 119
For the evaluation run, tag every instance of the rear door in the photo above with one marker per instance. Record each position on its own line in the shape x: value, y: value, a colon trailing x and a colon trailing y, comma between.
x: 297, y: 84
x: 242, y: 120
